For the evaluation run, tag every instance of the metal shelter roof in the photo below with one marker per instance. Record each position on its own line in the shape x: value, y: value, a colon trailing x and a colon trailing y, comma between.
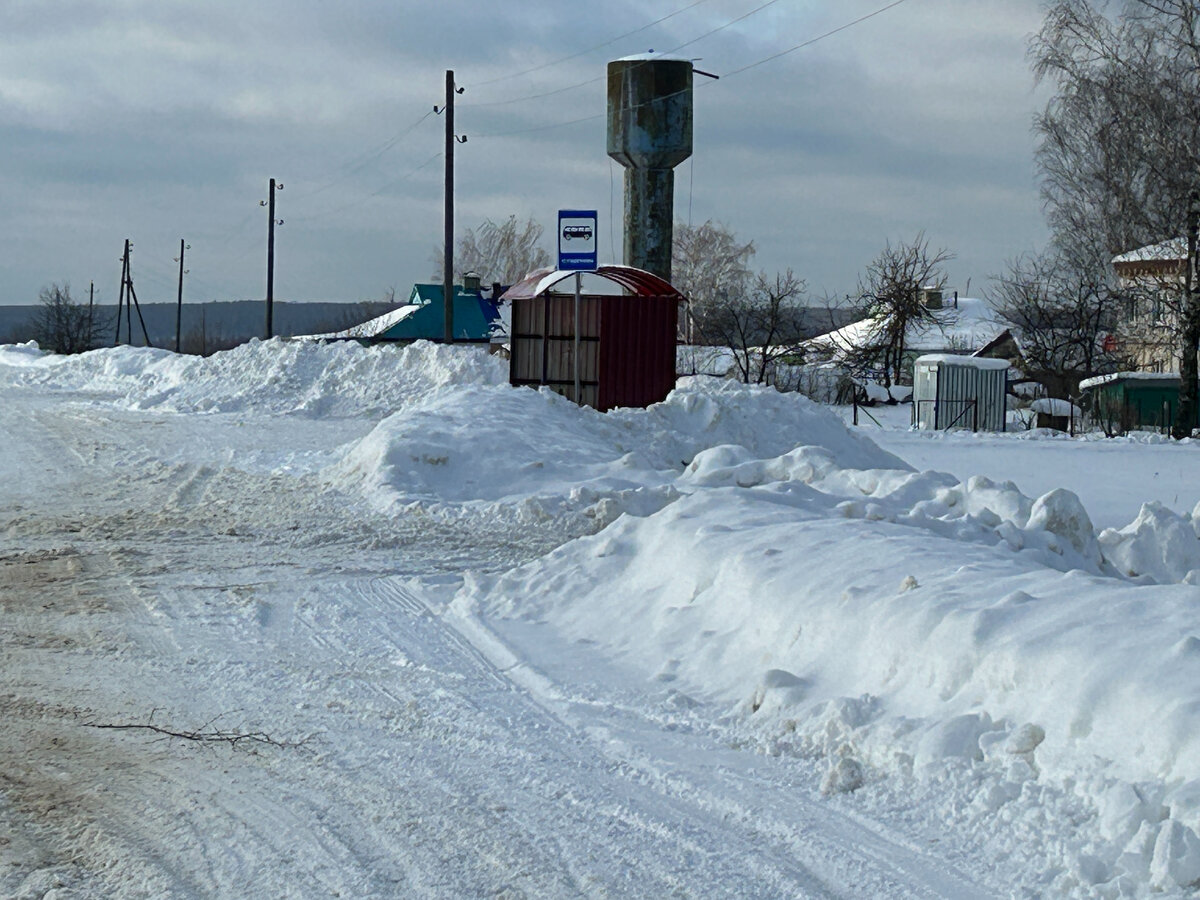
x: 638, y: 282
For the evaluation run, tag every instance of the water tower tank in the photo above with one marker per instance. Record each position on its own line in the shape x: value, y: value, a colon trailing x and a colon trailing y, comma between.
x: 649, y: 133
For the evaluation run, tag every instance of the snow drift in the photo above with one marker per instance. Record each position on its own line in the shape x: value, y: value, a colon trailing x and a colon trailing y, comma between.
x: 294, y: 377
x: 906, y: 624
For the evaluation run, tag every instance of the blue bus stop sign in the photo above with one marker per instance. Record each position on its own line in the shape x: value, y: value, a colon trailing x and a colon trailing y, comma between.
x: 577, y: 239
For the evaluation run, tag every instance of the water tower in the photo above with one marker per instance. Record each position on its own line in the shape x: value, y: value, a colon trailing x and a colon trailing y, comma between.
x: 649, y: 133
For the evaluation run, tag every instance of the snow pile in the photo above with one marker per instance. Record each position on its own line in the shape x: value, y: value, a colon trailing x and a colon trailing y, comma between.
x: 906, y: 625
x: 26, y: 354
x: 485, y: 445
x: 1055, y: 526
x: 276, y: 376
x: 1159, y: 545
x: 495, y: 445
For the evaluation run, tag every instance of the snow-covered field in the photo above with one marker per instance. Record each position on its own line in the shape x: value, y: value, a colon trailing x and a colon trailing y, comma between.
x: 503, y: 646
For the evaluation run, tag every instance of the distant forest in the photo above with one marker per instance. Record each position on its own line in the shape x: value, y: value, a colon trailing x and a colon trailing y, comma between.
x: 207, y: 327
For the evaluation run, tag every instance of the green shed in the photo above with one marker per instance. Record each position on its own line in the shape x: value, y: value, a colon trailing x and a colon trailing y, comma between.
x: 1133, y: 401
x: 422, y: 317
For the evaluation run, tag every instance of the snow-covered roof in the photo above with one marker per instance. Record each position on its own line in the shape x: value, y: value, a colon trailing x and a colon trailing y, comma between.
x: 954, y: 359
x: 1055, y: 406
x: 369, y: 329
x: 1127, y: 376
x: 970, y: 326
x: 652, y: 57
x: 636, y: 281
x: 1176, y: 248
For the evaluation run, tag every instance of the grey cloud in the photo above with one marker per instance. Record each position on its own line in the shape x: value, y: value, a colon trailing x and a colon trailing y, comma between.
x: 157, y: 121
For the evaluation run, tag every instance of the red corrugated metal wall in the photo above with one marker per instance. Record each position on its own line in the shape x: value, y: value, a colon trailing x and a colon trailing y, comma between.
x: 637, y: 350
x: 627, y: 341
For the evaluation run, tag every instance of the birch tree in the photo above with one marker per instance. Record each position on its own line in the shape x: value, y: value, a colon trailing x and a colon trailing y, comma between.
x: 503, y: 252
x: 711, y: 267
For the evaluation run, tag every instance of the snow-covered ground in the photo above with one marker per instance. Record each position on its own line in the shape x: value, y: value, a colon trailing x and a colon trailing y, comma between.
x: 1096, y: 468
x: 504, y: 646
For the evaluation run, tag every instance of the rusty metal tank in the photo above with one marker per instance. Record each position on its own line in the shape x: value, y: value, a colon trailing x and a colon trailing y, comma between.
x: 649, y: 133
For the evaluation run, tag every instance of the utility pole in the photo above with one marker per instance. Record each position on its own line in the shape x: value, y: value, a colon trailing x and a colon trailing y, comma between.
x: 448, y: 252
x: 271, y: 223
x: 121, y: 295
x: 128, y: 299
x: 131, y: 302
x: 179, y: 296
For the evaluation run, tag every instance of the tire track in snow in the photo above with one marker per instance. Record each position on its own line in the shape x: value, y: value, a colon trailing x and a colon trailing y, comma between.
x: 817, y: 839
x: 670, y: 818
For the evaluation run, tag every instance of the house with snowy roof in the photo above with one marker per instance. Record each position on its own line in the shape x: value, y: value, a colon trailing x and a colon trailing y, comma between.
x: 1152, y: 277
x: 423, y: 318
x: 960, y: 325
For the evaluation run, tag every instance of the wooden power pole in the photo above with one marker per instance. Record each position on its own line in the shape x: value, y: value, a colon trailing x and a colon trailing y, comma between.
x: 448, y: 251
x: 131, y: 303
x: 121, y: 294
x: 271, y: 223
x: 179, y: 297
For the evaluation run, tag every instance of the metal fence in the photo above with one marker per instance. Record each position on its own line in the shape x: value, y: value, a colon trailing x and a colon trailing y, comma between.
x: 946, y: 414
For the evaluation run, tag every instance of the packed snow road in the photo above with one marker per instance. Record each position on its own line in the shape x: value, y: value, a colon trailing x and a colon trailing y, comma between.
x: 194, y: 573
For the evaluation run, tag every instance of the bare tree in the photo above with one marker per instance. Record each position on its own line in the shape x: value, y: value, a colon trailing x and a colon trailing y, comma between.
x: 1119, y: 141
x: 1062, y: 316
x: 63, y: 326
x: 503, y: 252
x: 760, y: 328
x: 893, y: 289
x: 710, y: 267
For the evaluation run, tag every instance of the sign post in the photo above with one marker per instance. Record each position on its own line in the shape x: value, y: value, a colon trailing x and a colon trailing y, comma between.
x: 577, y: 251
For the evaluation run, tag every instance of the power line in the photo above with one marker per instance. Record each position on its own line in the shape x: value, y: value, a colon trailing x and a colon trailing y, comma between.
x: 571, y: 87
x: 393, y: 183
x: 592, y: 49
x: 540, y: 127
x: 728, y: 24
x: 726, y: 75
x: 812, y: 41
x: 367, y: 160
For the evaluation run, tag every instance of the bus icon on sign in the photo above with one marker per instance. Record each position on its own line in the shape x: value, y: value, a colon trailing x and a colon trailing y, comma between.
x: 577, y: 240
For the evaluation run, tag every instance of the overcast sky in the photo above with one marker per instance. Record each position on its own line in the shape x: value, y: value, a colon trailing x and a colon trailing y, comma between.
x: 164, y: 120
